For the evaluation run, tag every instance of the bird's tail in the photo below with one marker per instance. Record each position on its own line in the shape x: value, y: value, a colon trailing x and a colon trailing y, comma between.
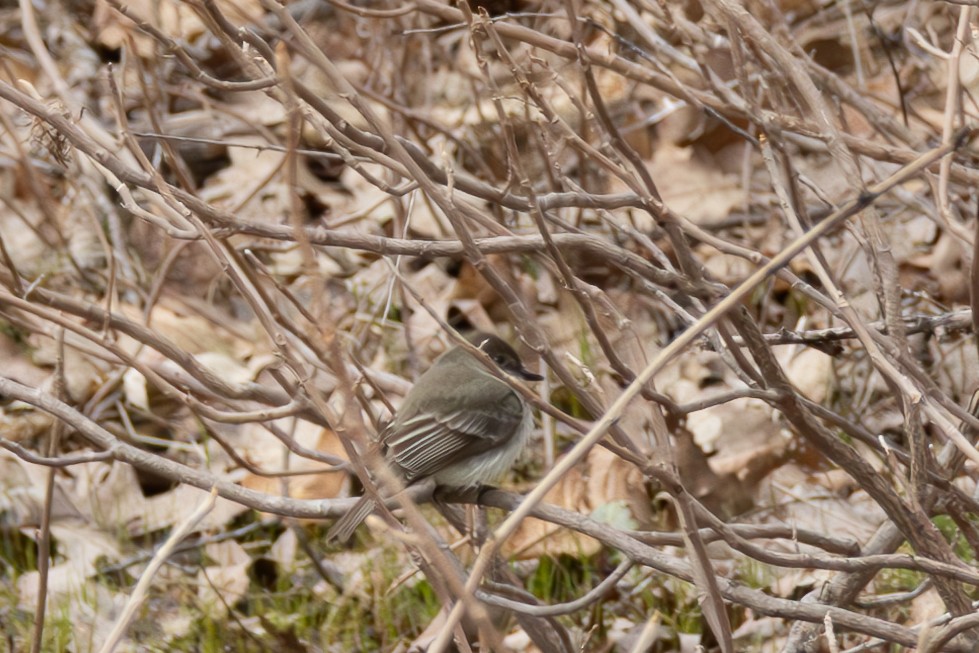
x: 346, y: 525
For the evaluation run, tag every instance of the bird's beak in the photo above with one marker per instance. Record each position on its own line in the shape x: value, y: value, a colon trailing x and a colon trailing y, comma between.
x: 527, y: 375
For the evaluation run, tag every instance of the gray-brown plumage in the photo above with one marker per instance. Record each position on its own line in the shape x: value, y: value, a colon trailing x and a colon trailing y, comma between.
x: 458, y: 425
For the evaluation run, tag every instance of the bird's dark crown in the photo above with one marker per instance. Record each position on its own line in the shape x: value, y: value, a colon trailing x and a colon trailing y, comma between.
x: 502, y: 354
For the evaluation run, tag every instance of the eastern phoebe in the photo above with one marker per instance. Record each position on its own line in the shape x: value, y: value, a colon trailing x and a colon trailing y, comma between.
x: 458, y: 425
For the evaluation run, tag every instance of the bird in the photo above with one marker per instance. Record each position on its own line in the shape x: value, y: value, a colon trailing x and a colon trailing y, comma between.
x: 459, y: 425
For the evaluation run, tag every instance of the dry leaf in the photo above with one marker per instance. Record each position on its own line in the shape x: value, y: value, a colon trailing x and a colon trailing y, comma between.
x: 263, y: 450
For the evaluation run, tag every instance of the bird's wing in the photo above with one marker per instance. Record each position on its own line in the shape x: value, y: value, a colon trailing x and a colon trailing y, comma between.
x: 422, y: 442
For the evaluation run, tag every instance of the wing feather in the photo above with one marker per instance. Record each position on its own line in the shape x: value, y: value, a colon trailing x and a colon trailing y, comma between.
x: 425, y: 442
